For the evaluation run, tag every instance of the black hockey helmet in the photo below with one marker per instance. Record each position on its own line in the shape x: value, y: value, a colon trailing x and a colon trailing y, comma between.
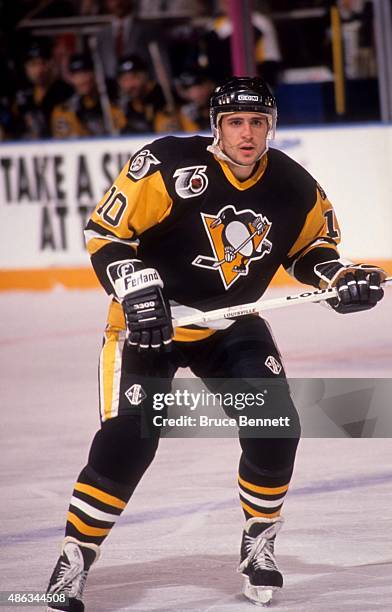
x: 242, y: 95
x: 80, y: 62
x: 131, y: 63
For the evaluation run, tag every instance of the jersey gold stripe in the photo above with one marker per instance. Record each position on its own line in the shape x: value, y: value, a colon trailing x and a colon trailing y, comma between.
x: 315, y: 227
x: 184, y: 334
x: 96, y: 239
x: 101, y: 495
x: 265, y: 490
x: 95, y: 244
x: 323, y: 245
x: 242, y: 185
x: 255, y: 513
x: 86, y: 529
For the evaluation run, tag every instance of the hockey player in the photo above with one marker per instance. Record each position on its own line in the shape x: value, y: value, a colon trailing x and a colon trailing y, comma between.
x: 200, y: 223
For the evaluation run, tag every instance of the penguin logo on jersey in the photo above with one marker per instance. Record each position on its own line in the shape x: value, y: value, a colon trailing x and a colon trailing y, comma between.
x: 141, y: 164
x: 237, y: 239
x: 191, y: 181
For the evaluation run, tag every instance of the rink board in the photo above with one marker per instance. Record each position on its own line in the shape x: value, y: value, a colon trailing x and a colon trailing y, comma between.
x: 48, y: 189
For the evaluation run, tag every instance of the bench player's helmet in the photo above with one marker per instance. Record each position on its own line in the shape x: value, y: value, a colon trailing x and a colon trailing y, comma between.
x: 242, y: 95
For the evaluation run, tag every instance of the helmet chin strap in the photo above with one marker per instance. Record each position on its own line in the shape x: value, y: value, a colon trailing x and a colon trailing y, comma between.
x: 217, y: 151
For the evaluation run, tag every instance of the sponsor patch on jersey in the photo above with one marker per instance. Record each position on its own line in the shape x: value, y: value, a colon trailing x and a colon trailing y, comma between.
x: 141, y: 164
x: 191, y: 181
x: 237, y: 239
x: 273, y: 364
x: 135, y: 394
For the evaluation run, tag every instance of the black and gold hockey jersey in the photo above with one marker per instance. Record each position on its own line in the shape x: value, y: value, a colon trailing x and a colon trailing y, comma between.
x: 216, y: 241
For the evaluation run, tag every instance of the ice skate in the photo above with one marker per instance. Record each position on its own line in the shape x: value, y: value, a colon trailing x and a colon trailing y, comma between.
x: 70, y: 574
x: 258, y: 564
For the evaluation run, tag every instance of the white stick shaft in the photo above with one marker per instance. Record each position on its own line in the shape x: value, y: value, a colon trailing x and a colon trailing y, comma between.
x: 218, y: 263
x: 260, y: 306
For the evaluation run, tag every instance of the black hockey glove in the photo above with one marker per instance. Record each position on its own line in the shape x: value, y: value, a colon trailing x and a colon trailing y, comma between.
x: 358, y: 285
x: 147, y: 312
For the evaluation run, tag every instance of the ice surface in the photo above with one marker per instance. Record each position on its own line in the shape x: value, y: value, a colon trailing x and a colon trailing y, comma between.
x: 176, y: 546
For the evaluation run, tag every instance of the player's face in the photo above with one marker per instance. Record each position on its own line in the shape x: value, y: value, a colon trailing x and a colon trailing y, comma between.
x: 133, y: 84
x: 38, y: 70
x: 199, y: 94
x: 84, y: 82
x: 243, y: 136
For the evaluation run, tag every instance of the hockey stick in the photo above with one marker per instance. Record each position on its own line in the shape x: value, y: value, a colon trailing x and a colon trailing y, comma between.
x: 206, y: 261
x: 162, y: 77
x: 101, y: 86
x: 261, y: 305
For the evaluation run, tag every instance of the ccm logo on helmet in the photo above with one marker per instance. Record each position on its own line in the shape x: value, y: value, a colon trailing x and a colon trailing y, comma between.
x: 248, y: 97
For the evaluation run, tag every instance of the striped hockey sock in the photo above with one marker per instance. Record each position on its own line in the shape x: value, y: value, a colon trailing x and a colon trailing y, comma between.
x: 96, y: 504
x: 262, y: 496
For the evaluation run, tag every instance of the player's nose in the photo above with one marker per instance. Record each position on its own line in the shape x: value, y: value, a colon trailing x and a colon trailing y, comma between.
x: 246, y: 130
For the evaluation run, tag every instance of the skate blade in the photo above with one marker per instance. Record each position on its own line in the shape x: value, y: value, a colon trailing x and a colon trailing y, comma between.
x: 258, y: 595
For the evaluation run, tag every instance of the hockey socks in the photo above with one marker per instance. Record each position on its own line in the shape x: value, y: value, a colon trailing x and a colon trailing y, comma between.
x: 262, y: 492
x: 265, y: 470
x: 96, y: 504
x: 261, y: 501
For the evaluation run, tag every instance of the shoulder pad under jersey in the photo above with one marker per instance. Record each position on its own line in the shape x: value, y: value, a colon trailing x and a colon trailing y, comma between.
x: 295, y: 176
x: 165, y: 153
